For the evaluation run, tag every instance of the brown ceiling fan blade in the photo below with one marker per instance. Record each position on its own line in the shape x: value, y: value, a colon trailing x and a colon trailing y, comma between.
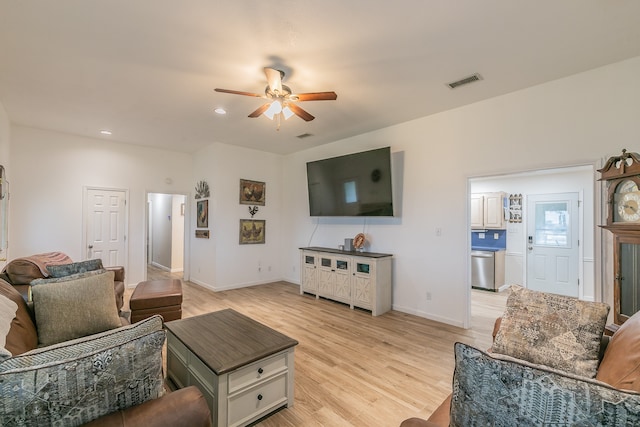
x: 260, y: 110
x: 300, y: 112
x: 274, y: 79
x: 237, y: 92
x: 315, y: 96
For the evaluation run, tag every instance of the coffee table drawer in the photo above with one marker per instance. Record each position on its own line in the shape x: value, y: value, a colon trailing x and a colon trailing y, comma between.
x: 251, y: 374
x: 258, y: 401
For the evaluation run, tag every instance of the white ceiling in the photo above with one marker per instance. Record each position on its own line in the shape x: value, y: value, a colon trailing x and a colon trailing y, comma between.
x: 146, y: 69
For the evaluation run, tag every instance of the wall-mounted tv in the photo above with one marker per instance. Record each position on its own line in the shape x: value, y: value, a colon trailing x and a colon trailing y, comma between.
x: 353, y: 185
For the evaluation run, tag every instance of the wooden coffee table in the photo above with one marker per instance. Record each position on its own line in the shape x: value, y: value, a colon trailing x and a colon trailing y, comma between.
x: 244, y: 369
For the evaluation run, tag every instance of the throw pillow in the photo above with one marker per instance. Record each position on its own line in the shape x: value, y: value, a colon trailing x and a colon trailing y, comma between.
x: 67, y: 278
x: 620, y: 366
x: 8, y: 310
x: 63, y: 270
x: 75, y: 308
x: 500, y: 391
x: 22, y: 335
x: 552, y: 330
x: 77, y: 381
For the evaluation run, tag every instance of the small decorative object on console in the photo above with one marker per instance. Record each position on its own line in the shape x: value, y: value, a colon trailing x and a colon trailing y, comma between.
x: 358, y: 241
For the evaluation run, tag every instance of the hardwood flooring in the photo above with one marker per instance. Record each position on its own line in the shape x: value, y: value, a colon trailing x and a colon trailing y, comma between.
x: 352, y: 369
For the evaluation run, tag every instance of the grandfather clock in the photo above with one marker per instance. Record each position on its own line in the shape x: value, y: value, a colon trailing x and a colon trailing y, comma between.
x: 622, y: 177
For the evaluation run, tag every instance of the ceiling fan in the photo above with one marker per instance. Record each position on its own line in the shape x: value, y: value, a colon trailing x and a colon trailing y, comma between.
x: 281, y: 101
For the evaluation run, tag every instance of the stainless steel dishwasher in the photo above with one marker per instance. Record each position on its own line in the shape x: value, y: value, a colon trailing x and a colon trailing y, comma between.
x: 487, y: 269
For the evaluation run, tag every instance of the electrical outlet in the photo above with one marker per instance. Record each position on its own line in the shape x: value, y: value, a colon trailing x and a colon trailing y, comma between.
x: 438, y: 231
x: 496, y: 236
x: 480, y: 235
x: 428, y: 296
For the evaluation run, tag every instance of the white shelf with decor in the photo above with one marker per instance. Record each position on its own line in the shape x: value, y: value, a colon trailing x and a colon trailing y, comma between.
x: 360, y: 279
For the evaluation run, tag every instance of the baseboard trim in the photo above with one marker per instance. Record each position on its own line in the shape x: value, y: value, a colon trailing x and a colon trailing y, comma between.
x: 420, y: 313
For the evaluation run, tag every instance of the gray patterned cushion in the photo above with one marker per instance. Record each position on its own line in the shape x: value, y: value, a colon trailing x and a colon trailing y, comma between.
x: 501, y: 391
x: 74, y: 382
x: 43, y: 281
x: 75, y: 308
x: 552, y: 330
x: 74, y: 268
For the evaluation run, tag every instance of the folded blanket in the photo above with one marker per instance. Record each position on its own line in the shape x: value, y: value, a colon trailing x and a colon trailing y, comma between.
x: 43, y: 260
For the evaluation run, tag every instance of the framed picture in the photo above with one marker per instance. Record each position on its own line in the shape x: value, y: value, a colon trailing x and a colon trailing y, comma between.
x: 252, y: 192
x: 252, y: 231
x: 202, y: 220
x: 202, y: 234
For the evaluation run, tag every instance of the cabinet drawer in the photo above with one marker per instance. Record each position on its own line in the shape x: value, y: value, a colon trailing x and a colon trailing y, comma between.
x: 258, y: 401
x: 251, y: 374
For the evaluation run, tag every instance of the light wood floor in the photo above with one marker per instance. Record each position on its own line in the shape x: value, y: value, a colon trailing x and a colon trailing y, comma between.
x: 352, y: 369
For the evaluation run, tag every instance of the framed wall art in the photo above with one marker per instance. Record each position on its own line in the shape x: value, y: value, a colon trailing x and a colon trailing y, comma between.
x: 202, y: 212
x: 202, y: 234
x: 252, y: 231
x: 252, y: 192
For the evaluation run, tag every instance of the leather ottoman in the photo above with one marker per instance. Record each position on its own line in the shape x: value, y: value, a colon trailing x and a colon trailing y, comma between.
x: 163, y: 297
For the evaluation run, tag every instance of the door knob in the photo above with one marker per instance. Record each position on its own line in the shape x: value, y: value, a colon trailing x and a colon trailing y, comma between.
x: 90, y: 246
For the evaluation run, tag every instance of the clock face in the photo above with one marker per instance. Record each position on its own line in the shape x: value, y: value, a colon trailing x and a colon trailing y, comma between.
x: 626, y: 201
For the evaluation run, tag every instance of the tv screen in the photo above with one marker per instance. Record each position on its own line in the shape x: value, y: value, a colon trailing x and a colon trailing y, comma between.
x: 353, y: 185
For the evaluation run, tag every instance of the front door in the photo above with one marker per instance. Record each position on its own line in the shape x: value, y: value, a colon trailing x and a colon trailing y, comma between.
x: 105, y: 228
x: 552, y: 243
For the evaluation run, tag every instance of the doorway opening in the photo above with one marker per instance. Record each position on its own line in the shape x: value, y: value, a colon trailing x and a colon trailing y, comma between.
x: 520, y: 257
x: 166, y: 254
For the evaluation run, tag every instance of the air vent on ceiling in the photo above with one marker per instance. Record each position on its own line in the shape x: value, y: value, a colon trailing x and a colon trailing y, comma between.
x: 472, y: 78
x: 304, y: 135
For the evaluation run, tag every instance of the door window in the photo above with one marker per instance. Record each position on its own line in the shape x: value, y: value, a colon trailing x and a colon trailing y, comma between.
x: 552, y: 224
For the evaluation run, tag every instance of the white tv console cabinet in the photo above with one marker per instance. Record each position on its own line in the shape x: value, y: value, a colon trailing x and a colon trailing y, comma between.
x: 360, y: 279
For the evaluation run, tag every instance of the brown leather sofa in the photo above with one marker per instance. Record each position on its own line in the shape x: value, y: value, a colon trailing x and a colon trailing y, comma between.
x: 183, y: 407
x: 619, y: 367
x: 22, y: 271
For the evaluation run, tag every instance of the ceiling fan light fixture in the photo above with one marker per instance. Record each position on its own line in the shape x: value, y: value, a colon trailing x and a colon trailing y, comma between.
x: 286, y: 112
x: 274, y: 108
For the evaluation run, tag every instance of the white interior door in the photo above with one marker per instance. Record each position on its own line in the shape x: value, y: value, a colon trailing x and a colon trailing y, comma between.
x: 106, y: 226
x: 552, y: 243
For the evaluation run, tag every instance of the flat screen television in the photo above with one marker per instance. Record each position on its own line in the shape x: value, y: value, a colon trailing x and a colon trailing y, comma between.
x: 353, y: 185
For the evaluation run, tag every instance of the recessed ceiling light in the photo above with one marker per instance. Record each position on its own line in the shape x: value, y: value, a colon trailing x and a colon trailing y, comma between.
x: 105, y: 132
x: 220, y: 111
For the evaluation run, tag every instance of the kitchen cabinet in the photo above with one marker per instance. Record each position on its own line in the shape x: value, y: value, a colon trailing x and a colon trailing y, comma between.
x: 487, y: 210
x: 360, y: 279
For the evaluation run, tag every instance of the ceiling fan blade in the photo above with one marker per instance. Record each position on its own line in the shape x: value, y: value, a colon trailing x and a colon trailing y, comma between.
x: 237, y: 92
x: 315, y: 96
x: 260, y: 110
x: 300, y: 112
x: 274, y: 79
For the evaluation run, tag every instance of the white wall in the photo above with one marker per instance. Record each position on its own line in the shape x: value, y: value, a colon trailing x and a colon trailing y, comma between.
x: 49, y: 170
x: 580, y: 179
x: 4, y: 161
x: 220, y: 262
x: 177, y: 232
x: 576, y: 120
